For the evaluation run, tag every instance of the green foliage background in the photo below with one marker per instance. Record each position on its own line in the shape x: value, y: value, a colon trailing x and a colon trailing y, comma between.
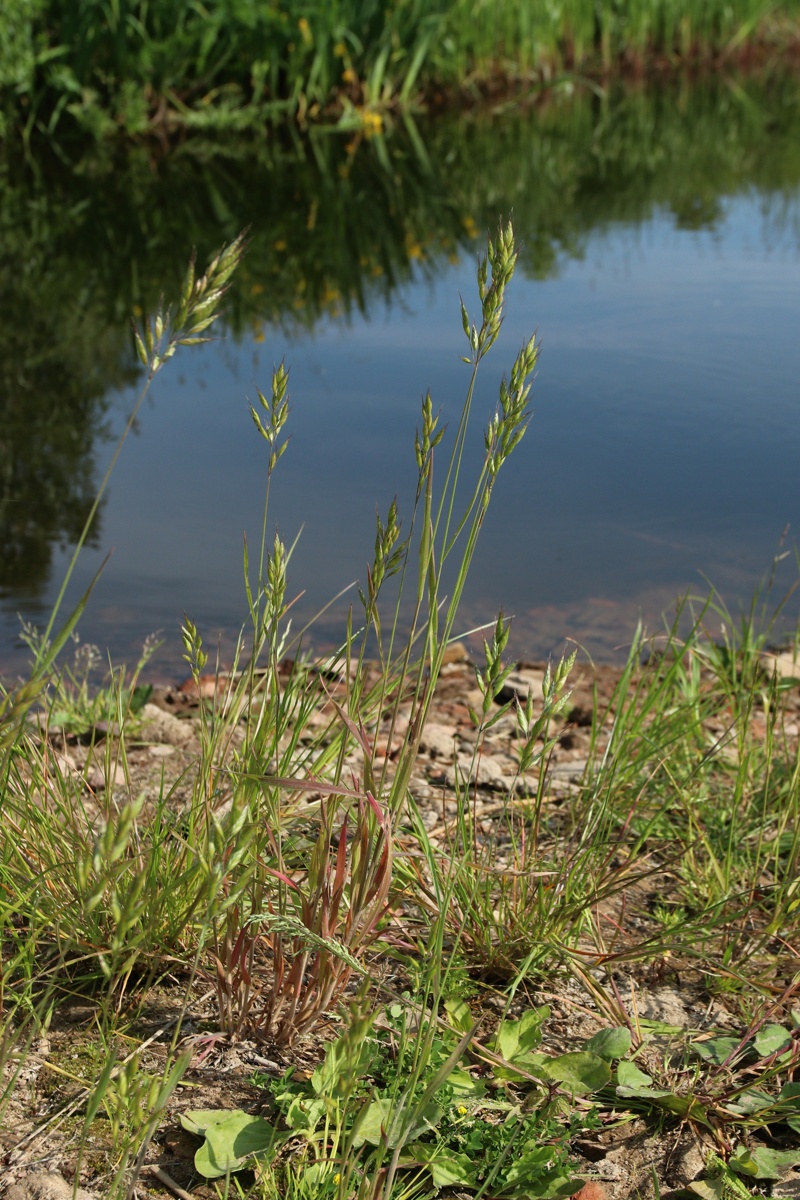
x: 107, y: 65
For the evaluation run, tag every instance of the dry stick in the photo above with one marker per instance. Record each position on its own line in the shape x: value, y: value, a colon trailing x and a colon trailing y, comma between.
x: 69, y: 1108
x: 162, y: 1176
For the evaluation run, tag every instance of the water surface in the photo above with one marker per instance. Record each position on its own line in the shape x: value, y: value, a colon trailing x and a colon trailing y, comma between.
x: 661, y: 246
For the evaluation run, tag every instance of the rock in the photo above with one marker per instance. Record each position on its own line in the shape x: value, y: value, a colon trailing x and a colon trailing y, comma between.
x: 573, y: 771
x: 485, y: 771
x: 65, y: 763
x: 160, y: 751
x: 456, y: 652
x: 785, y: 664
x: 591, y: 1190
x: 520, y: 683
x: 665, y: 1006
x: 206, y: 688
x: 788, y: 1188
x: 46, y: 1185
x: 96, y: 777
x: 163, y: 728
x: 438, y: 741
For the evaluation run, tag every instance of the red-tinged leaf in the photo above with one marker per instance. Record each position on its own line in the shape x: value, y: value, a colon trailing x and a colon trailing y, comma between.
x: 282, y: 877
x: 358, y: 731
x: 309, y: 784
x: 380, y: 815
x: 238, y: 948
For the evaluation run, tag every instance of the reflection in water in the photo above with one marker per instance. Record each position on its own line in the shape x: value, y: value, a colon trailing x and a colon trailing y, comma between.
x: 337, y: 226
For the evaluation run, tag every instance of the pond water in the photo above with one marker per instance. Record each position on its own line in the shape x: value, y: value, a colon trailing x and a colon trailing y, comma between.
x: 660, y: 265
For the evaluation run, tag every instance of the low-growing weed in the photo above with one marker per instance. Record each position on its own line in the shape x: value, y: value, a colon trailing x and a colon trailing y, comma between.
x: 374, y: 1100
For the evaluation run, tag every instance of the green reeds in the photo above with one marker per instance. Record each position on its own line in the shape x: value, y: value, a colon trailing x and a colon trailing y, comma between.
x: 136, y: 65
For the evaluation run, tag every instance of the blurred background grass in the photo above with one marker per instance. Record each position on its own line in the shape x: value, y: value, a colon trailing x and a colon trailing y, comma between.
x: 137, y: 65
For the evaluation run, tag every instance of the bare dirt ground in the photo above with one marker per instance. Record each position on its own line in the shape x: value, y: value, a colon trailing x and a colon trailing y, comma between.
x: 38, y: 1147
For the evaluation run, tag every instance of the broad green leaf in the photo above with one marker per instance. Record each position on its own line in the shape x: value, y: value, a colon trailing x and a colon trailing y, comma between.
x: 633, y: 1084
x: 304, y: 1114
x: 382, y: 1120
x: 375, y: 1122
x: 630, y: 1077
x: 790, y: 1094
x: 789, y: 1099
x: 610, y: 1043
x: 198, y: 1120
x: 459, y: 1015
x: 771, y: 1039
x: 743, y: 1162
x: 517, y: 1039
x: 751, y: 1101
x: 764, y: 1163
x: 316, y: 1175
x: 530, y: 1063
x: 346, y: 1059
x: 448, y: 1169
x: 716, y: 1050
x: 231, y: 1143
x: 709, y: 1189
x: 464, y: 1084
x: 580, y: 1071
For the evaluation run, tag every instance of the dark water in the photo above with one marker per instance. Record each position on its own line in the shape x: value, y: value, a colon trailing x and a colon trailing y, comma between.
x: 660, y: 264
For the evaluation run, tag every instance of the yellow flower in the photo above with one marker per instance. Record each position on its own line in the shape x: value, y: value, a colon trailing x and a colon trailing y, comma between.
x: 349, y: 75
x: 371, y: 121
x: 461, y: 1110
x: 340, y: 49
x: 305, y: 30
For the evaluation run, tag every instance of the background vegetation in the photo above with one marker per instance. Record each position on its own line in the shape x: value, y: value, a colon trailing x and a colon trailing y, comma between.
x: 135, y: 66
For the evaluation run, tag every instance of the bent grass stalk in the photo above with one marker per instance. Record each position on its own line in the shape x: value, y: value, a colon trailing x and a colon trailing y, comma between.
x: 198, y: 309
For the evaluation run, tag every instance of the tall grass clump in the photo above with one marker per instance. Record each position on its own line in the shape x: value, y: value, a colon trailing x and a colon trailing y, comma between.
x: 277, y: 877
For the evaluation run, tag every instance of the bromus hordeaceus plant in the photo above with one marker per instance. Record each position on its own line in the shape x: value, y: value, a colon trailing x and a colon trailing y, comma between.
x: 301, y: 907
x: 279, y: 873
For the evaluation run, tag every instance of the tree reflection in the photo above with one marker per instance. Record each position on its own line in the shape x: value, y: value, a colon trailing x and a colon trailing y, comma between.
x: 338, y: 222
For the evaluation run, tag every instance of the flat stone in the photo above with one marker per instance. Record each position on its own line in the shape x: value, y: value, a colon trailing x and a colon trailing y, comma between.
x: 160, y: 751
x: 520, y: 683
x: 785, y: 664
x: 162, y: 727
x: 665, y: 1006
x: 687, y: 1162
x: 485, y: 771
x: 46, y: 1185
x: 439, y: 741
x: 456, y: 652
x: 96, y: 777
